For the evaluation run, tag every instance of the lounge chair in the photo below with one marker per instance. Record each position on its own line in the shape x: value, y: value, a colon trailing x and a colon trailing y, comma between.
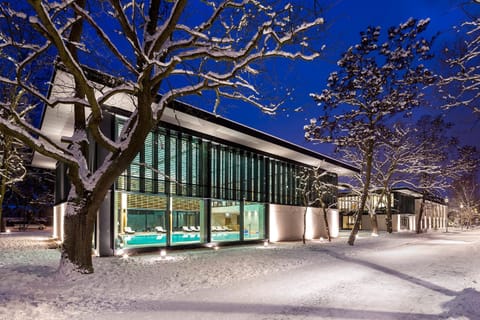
x: 129, y: 230
x: 196, y: 229
x: 160, y: 229
x: 225, y: 228
x: 186, y: 229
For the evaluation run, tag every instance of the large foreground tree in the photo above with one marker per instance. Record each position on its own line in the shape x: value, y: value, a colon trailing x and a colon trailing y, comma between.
x: 174, y: 48
x: 377, y: 81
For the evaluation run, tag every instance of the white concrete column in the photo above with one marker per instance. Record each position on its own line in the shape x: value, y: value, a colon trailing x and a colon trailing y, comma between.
x: 333, y: 222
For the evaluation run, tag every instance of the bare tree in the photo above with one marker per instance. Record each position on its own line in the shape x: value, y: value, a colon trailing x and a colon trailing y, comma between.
x: 151, y: 47
x: 397, y: 150
x: 378, y: 80
x: 315, y: 187
x: 432, y: 167
x: 13, y: 156
x: 466, y: 193
x: 465, y: 187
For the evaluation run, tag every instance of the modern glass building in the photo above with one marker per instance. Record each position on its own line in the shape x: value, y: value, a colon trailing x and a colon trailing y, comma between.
x: 199, y: 179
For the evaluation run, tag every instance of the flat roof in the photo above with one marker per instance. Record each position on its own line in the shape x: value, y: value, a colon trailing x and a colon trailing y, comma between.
x: 58, y: 122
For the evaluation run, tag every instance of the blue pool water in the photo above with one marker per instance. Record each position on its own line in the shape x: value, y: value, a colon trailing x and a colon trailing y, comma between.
x: 179, y: 238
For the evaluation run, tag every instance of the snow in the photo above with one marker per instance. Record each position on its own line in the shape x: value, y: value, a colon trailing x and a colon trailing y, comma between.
x: 398, y: 276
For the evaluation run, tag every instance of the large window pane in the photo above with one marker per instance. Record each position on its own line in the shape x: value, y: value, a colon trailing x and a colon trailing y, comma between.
x: 254, y: 221
x: 141, y: 220
x: 188, y: 221
x: 225, y: 221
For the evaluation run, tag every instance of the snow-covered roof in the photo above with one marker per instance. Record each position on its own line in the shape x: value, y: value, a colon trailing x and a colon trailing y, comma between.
x: 58, y: 122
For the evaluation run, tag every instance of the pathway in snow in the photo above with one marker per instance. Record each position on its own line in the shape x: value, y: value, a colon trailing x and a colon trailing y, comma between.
x: 400, y: 276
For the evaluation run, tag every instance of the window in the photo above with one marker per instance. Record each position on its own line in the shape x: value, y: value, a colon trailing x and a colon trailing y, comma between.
x: 225, y: 220
x: 139, y: 218
x: 188, y: 221
x: 254, y: 221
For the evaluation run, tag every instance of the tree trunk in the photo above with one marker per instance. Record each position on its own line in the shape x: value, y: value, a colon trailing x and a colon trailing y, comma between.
x: 3, y: 189
x: 420, y: 215
x: 77, y: 245
x: 373, y: 219
x: 366, y: 186
x: 389, y: 213
x: 3, y: 186
x: 325, y: 217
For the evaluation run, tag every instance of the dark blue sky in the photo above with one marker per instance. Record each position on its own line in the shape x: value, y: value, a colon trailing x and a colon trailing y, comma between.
x: 344, y: 20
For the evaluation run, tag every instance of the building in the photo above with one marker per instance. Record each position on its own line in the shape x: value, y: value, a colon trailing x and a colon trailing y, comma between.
x: 406, y: 205
x: 199, y: 179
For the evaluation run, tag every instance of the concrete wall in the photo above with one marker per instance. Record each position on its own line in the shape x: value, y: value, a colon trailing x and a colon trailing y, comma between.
x: 366, y: 222
x: 382, y: 222
x: 286, y: 223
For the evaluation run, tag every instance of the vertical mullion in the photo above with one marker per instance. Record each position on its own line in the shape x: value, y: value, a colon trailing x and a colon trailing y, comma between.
x: 155, y: 148
x: 255, y: 177
x: 266, y: 177
x: 218, y: 171
x: 178, y: 163
x: 168, y: 173
x: 249, y: 176
x: 189, y: 168
x: 234, y: 175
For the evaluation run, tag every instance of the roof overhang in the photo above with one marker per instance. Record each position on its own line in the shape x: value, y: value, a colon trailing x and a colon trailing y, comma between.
x: 58, y: 122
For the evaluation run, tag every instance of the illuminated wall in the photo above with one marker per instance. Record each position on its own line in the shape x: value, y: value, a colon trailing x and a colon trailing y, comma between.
x: 58, y: 214
x: 286, y: 223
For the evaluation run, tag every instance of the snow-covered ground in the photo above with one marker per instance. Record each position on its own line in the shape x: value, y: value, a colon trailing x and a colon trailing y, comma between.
x: 400, y: 276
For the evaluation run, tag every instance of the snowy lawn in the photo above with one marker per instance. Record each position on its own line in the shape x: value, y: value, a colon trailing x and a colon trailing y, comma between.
x: 399, y: 276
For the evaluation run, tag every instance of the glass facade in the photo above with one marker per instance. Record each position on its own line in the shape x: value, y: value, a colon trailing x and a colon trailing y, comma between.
x: 225, y: 220
x: 188, y: 221
x: 183, y: 188
x: 254, y: 221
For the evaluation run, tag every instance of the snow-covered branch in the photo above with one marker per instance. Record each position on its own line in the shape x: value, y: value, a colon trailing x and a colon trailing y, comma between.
x: 459, y: 85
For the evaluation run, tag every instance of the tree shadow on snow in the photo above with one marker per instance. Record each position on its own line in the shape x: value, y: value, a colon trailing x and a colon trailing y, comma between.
x: 40, y: 271
x: 465, y: 303
x: 186, y: 310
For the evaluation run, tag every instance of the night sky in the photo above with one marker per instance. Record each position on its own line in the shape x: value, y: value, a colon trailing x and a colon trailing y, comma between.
x: 344, y: 20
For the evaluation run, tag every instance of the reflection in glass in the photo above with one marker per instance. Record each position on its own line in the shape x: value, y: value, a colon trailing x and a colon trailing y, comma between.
x: 225, y: 221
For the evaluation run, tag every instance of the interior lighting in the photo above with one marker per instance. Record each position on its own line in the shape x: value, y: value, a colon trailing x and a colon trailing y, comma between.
x: 265, y: 243
x: 125, y: 256
x: 8, y: 231
x: 163, y: 253
x: 216, y: 248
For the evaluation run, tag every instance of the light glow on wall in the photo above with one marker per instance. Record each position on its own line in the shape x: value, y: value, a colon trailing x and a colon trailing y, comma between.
x: 58, y: 221
x: 274, y: 227
x: 309, y: 227
x: 334, y: 222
